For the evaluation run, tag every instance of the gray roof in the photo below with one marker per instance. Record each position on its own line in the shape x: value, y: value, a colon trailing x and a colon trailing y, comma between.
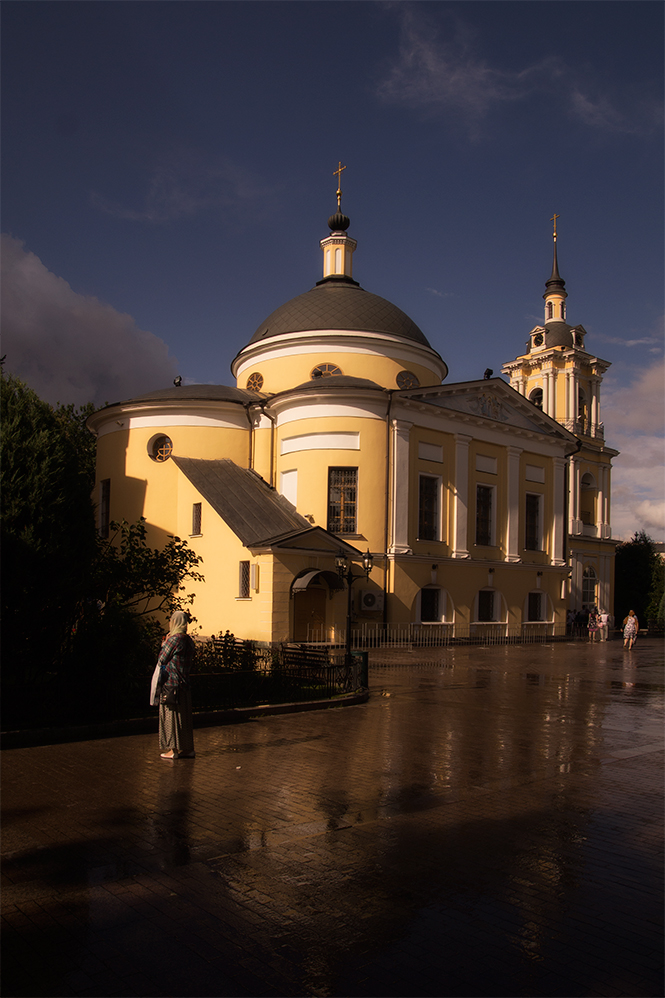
x: 339, y: 304
x: 254, y: 511
x: 332, y: 383
x: 198, y: 393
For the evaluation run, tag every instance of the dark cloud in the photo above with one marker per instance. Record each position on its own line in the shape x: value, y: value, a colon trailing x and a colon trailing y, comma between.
x: 70, y: 347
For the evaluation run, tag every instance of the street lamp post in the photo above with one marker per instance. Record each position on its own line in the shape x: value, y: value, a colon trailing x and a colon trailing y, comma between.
x: 344, y: 569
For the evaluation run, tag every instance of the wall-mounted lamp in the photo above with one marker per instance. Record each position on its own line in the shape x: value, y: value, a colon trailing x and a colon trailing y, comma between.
x: 539, y: 573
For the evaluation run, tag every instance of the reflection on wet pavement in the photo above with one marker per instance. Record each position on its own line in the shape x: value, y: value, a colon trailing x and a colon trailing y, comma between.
x: 489, y: 823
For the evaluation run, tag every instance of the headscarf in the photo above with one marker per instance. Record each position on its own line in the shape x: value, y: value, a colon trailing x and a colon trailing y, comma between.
x: 178, y: 623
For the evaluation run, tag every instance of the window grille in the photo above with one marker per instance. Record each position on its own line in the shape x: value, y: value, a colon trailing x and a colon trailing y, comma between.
x: 484, y: 514
x: 428, y: 509
x: 342, y: 500
x: 532, y: 538
x: 243, y: 586
x: 104, y: 507
x: 196, y: 518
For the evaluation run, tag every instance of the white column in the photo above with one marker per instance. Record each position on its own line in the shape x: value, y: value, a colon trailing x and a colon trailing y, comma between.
x: 461, y: 496
x: 558, y: 524
x: 569, y: 391
x: 574, y: 497
x: 513, y: 505
x: 400, y: 488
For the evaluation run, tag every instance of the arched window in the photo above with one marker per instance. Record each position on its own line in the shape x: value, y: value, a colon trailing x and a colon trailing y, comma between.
x: 432, y: 605
x: 563, y: 310
x: 550, y: 310
x: 536, y: 397
x: 589, y: 586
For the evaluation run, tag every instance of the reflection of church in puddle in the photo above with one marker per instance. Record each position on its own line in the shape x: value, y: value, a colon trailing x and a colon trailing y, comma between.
x: 483, y: 505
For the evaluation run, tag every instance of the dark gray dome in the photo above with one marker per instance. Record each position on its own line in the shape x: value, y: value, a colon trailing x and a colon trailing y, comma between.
x: 558, y: 334
x: 339, y: 304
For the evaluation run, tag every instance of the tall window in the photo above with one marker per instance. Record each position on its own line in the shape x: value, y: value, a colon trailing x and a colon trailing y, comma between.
x: 196, y: 518
x: 428, y: 508
x: 486, y: 605
x: 104, y: 507
x: 342, y: 500
x: 550, y: 310
x: 532, y: 538
x: 535, y: 608
x: 589, y: 583
x: 484, y: 514
x: 430, y: 611
x: 243, y: 580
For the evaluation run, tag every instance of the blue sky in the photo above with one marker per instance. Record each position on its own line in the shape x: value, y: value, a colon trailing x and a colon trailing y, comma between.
x: 168, y: 172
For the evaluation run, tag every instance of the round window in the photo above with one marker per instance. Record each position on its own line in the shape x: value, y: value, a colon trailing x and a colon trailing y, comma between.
x: 255, y: 382
x: 407, y: 379
x: 325, y: 371
x: 160, y: 448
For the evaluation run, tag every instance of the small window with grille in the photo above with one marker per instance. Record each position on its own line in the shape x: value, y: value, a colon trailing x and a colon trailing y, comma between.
x: 161, y: 448
x: 196, y: 518
x: 342, y: 500
x: 325, y: 371
x: 243, y: 580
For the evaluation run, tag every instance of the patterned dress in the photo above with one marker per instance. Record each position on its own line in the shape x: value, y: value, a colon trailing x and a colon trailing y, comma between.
x: 175, y: 723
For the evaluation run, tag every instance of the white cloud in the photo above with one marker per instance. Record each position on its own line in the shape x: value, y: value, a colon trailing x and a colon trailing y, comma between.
x: 70, y: 347
x: 438, y: 75
x: 188, y: 182
x: 634, y: 417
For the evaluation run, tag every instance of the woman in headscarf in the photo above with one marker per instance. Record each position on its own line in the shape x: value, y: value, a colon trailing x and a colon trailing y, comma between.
x: 176, y: 733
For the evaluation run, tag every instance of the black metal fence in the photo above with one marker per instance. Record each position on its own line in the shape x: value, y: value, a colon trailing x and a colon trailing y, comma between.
x: 231, y: 673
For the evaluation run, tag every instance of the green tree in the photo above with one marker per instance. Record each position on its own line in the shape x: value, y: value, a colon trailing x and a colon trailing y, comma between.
x: 636, y: 562
x: 78, y: 612
x: 655, y: 610
x: 47, y: 525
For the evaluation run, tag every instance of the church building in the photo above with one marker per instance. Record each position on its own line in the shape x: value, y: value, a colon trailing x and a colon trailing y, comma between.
x: 484, y: 506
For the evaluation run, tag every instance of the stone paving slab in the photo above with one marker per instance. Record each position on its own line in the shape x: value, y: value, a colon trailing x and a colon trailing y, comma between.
x: 489, y: 823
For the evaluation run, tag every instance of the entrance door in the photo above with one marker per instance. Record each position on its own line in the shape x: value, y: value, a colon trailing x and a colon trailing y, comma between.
x: 309, y: 614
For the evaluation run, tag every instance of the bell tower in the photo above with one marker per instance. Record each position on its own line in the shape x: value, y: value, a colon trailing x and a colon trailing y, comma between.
x: 559, y: 376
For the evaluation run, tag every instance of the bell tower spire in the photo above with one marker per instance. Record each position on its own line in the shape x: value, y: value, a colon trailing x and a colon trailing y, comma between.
x: 555, y: 294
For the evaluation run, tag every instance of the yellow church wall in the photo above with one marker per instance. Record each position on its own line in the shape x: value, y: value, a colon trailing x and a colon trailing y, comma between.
x: 463, y: 580
x: 312, y: 468
x: 281, y: 373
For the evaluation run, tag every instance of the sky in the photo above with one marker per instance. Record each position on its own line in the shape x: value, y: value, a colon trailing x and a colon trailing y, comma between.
x: 168, y: 174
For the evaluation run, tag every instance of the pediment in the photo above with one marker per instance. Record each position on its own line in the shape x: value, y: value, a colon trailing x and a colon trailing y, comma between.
x: 492, y: 400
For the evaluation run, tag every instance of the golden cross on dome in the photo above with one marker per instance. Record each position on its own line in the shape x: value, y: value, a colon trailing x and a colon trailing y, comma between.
x: 553, y: 219
x: 338, y: 173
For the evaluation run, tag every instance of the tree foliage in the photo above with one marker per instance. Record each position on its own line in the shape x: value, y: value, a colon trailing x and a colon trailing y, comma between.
x: 77, y: 609
x: 48, y: 529
x: 638, y: 573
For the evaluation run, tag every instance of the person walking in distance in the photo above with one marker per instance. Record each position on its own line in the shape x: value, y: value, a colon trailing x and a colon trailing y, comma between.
x: 631, y: 626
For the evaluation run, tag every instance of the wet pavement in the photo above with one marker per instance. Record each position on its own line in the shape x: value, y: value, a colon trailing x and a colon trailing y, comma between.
x: 489, y: 823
